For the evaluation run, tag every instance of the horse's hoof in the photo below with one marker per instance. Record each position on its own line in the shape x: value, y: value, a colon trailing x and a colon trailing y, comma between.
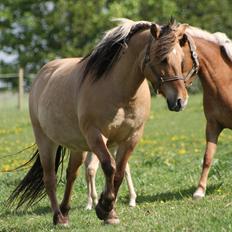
x: 112, y: 218
x: 199, y: 194
x: 66, y: 224
x: 112, y: 221
x: 59, y: 219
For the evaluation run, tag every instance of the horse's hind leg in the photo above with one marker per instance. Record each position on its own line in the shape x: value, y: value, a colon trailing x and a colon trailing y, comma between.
x: 91, y: 166
x: 130, y: 185
x: 212, y: 132
x: 75, y: 161
x: 47, y: 153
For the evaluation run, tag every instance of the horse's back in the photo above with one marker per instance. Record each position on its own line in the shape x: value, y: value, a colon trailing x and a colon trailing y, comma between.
x: 47, y: 71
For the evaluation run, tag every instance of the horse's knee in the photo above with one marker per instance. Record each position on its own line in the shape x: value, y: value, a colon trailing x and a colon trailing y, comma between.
x: 91, y: 172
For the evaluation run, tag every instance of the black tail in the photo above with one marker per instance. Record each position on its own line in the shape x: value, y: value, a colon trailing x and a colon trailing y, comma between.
x: 31, y: 189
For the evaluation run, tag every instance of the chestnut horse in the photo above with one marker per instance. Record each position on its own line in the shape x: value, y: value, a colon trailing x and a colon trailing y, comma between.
x: 215, y: 71
x: 99, y: 102
x: 91, y: 166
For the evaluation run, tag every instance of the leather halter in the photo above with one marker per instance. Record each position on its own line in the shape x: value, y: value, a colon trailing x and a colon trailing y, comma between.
x: 163, y: 79
x: 194, y: 57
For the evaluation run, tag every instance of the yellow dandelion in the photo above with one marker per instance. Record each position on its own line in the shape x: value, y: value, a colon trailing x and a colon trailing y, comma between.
x: 181, y: 151
x: 5, y: 168
x: 174, y: 138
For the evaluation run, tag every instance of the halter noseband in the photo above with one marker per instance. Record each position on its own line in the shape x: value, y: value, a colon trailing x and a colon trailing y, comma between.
x: 163, y: 79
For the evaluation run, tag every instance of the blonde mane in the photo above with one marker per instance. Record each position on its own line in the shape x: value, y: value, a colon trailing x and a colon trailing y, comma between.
x: 219, y: 38
x: 121, y: 31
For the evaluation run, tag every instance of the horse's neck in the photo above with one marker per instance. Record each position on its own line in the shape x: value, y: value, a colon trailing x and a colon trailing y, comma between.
x: 215, y: 68
x: 126, y: 73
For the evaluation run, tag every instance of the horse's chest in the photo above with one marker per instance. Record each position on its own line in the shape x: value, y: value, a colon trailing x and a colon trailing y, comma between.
x: 126, y: 121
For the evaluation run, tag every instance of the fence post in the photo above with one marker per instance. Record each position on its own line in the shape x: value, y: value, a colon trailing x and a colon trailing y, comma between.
x: 20, y: 88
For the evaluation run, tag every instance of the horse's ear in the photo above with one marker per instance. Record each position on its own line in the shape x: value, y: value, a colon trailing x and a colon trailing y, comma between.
x: 172, y: 21
x: 181, y: 30
x: 155, y: 30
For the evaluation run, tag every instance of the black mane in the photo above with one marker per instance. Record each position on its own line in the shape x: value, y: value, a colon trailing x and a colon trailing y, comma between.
x: 107, y: 52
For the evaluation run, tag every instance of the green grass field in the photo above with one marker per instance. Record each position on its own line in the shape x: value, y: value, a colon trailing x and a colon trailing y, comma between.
x: 165, y: 169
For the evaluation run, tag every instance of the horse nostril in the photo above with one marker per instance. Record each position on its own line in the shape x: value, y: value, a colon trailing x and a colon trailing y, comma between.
x: 176, y: 105
x: 179, y: 103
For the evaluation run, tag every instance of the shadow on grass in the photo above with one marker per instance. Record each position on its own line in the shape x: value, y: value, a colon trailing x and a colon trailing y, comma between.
x: 39, y: 210
x: 176, y: 195
x: 165, y: 196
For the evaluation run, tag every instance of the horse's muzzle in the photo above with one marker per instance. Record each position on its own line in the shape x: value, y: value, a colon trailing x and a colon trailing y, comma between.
x: 177, y: 105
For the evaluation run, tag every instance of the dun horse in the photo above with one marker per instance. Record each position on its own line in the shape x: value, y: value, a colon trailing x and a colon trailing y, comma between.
x: 99, y: 102
x: 215, y: 72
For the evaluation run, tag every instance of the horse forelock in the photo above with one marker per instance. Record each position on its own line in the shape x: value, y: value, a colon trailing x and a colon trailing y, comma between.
x: 107, y: 51
x: 218, y: 38
x: 165, y: 43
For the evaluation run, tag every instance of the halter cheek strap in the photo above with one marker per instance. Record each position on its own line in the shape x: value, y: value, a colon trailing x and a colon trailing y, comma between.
x: 194, y: 57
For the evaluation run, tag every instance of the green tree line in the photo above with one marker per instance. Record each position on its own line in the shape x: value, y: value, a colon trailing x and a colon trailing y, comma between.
x: 40, y: 30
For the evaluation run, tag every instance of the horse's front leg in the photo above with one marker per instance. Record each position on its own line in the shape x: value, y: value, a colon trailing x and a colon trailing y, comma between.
x: 105, y: 207
x: 213, y: 130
